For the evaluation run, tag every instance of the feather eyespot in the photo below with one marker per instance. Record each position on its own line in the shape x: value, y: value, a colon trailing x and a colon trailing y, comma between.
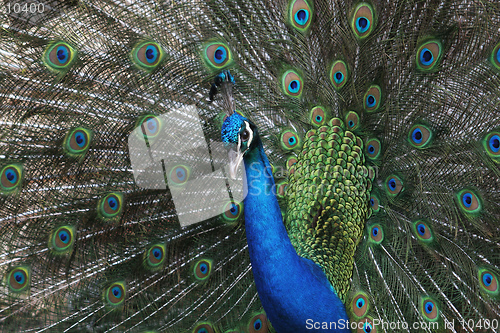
x: 232, y: 211
x: 422, y: 231
x: 179, y: 175
x: 419, y: 136
x: 495, y: 56
x: 429, y: 309
x: 373, y: 149
x: 19, y: 279
x: 147, y: 55
x: 300, y: 15
x: 318, y: 116
x: 110, y: 206
x: 469, y: 201
x: 488, y: 281
x: 376, y: 233
x: 290, y: 140
x: 62, y: 239
x: 352, y: 120
x: 360, y: 305
x: 59, y: 56
x: 115, y: 294
x: 258, y: 323
x: 374, y: 203
x: 202, y: 269
x: 150, y: 126
x: 203, y: 328
x: 217, y: 55
x: 428, y: 55
x: 281, y: 188
x: 394, y: 185
x: 372, y: 98
x: 339, y: 74
x: 155, y: 255
x: 491, y: 144
x: 10, y: 178
x: 77, y: 141
x: 363, y: 20
x: 292, y: 84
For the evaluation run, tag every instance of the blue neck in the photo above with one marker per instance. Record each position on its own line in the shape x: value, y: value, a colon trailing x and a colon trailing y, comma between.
x: 294, y: 291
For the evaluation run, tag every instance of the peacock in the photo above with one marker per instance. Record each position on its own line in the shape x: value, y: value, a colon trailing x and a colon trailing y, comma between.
x: 250, y: 166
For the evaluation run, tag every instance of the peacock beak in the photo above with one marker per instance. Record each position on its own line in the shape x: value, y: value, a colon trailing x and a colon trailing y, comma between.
x: 235, y: 158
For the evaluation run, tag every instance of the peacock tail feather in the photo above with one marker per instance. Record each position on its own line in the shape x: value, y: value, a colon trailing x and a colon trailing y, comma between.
x: 380, y: 120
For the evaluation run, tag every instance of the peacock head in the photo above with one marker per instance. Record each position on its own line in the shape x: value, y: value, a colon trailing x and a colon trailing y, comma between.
x: 239, y: 136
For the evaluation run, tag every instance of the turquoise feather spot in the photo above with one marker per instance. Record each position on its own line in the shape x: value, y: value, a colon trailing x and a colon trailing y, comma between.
x: 300, y: 15
x: 359, y: 305
x: 318, y: 116
x: 155, y: 257
x: 290, y: 140
x: 18, y: 279
x: 376, y: 233
x: 258, y: 323
x: 11, y: 176
x: 428, y: 55
x: 372, y: 98
x: 77, y: 141
x: 494, y: 143
x: 110, y: 207
x: 423, y: 231
x: 114, y: 295
x: 488, y: 281
x: 491, y: 144
x: 59, y: 56
x: 352, y: 120
x: 362, y: 24
x: 367, y: 326
x: 363, y: 20
x: 339, y: 74
x: 373, y: 149
x: 420, y: 136
x: 469, y: 202
x: 374, y: 203
x: 202, y: 269
x: 217, y: 55
x: 429, y: 309
x: 150, y: 125
x: 62, y: 240
x: 394, y: 185
x: 232, y: 211
x: 179, y: 175
x: 495, y: 56
x: 292, y: 84
x: 147, y: 55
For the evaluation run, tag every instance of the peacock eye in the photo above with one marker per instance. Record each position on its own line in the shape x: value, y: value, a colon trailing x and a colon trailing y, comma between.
x: 245, y: 135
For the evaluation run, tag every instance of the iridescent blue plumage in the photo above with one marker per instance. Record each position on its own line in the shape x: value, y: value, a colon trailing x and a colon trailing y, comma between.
x: 293, y: 290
